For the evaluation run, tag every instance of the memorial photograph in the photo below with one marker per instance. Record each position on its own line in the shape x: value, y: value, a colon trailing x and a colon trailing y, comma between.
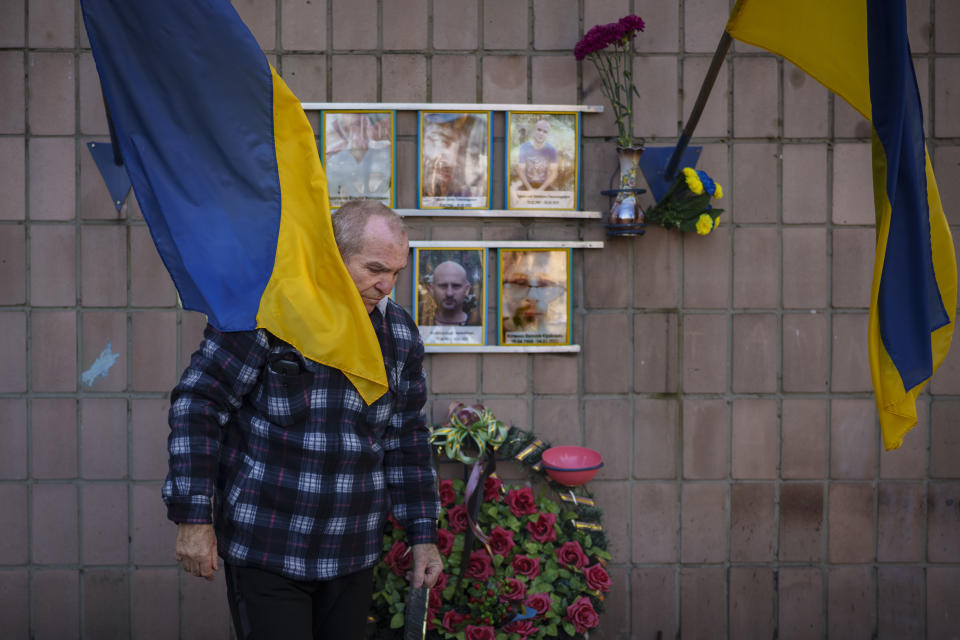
x: 450, y: 296
x: 454, y: 160
x: 543, y: 160
x: 358, y: 156
x: 534, y: 297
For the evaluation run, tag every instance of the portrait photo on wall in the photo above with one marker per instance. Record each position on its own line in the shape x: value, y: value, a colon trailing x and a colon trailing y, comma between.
x: 534, y: 300
x: 358, y: 155
x: 543, y: 160
x: 454, y: 159
x: 449, y: 296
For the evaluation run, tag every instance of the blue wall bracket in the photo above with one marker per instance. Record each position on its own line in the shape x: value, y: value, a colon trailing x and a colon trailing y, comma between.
x: 113, y: 172
x: 654, y: 165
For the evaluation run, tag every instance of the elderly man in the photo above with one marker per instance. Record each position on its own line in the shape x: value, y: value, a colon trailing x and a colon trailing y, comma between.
x: 449, y: 289
x: 278, y: 466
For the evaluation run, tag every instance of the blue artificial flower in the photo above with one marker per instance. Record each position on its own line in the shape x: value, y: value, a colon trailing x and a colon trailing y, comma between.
x: 708, y: 184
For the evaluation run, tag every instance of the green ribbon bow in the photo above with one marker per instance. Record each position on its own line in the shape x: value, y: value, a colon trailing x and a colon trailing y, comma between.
x: 468, y: 432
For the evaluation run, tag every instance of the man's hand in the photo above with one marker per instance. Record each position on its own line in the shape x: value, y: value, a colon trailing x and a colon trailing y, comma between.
x: 427, y: 565
x: 197, y: 549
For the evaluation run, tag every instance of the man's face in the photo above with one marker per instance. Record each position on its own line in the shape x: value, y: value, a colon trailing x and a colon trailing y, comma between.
x: 540, y: 132
x: 374, y: 269
x: 450, y: 286
x: 439, y: 156
x: 528, y: 291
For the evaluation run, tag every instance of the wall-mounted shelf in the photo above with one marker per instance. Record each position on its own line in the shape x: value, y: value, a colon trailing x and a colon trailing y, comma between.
x: 499, y: 213
x: 565, y: 348
x: 507, y: 244
x: 485, y: 214
x: 449, y: 106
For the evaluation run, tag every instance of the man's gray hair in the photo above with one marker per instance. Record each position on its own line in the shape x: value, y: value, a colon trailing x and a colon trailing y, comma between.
x: 350, y: 221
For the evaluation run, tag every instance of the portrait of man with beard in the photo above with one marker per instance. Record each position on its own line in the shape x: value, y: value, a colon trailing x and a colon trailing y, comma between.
x: 454, y: 168
x: 449, y: 296
x: 534, y: 296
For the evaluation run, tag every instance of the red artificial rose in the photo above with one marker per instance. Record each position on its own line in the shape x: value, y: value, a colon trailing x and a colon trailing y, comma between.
x: 442, y: 581
x: 457, y: 517
x: 526, y: 566
x: 521, y: 502
x: 393, y: 520
x: 398, y: 559
x: 479, y: 566
x: 542, y: 530
x: 541, y: 602
x: 582, y: 614
x: 501, y: 541
x: 445, y: 541
x: 480, y: 633
x: 448, y: 495
x: 434, y: 600
x: 452, y: 620
x: 512, y: 590
x: 491, y: 489
x: 571, y: 554
x: 523, y: 628
x: 597, y: 577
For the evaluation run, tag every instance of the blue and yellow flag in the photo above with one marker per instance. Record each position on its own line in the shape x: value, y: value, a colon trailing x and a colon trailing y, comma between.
x: 226, y: 171
x: 859, y: 50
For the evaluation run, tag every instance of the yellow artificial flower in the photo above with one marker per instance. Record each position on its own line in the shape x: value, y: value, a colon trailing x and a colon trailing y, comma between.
x: 693, y: 180
x: 716, y: 222
x: 718, y: 191
x: 704, y: 224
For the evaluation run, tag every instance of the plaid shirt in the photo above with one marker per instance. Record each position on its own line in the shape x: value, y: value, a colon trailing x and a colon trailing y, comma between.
x: 304, y: 472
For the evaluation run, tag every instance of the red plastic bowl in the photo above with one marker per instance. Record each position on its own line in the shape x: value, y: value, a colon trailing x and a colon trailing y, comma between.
x: 571, y: 466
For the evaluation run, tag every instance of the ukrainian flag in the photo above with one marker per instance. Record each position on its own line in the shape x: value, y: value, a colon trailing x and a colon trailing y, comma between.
x: 859, y: 50
x: 226, y: 171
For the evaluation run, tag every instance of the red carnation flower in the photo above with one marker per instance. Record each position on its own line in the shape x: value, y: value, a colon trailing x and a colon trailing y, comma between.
x: 632, y: 23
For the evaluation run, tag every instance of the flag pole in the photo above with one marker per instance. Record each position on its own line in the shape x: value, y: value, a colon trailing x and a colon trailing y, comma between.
x: 657, y: 168
x: 718, y: 56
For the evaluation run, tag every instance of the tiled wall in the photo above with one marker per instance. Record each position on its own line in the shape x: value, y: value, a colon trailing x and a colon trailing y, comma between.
x: 724, y: 378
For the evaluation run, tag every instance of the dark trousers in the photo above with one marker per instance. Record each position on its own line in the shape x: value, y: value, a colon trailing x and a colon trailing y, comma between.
x: 266, y: 605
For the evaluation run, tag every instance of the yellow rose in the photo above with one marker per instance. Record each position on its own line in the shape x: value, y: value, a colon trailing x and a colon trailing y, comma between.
x: 718, y: 192
x: 704, y: 224
x: 716, y: 223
